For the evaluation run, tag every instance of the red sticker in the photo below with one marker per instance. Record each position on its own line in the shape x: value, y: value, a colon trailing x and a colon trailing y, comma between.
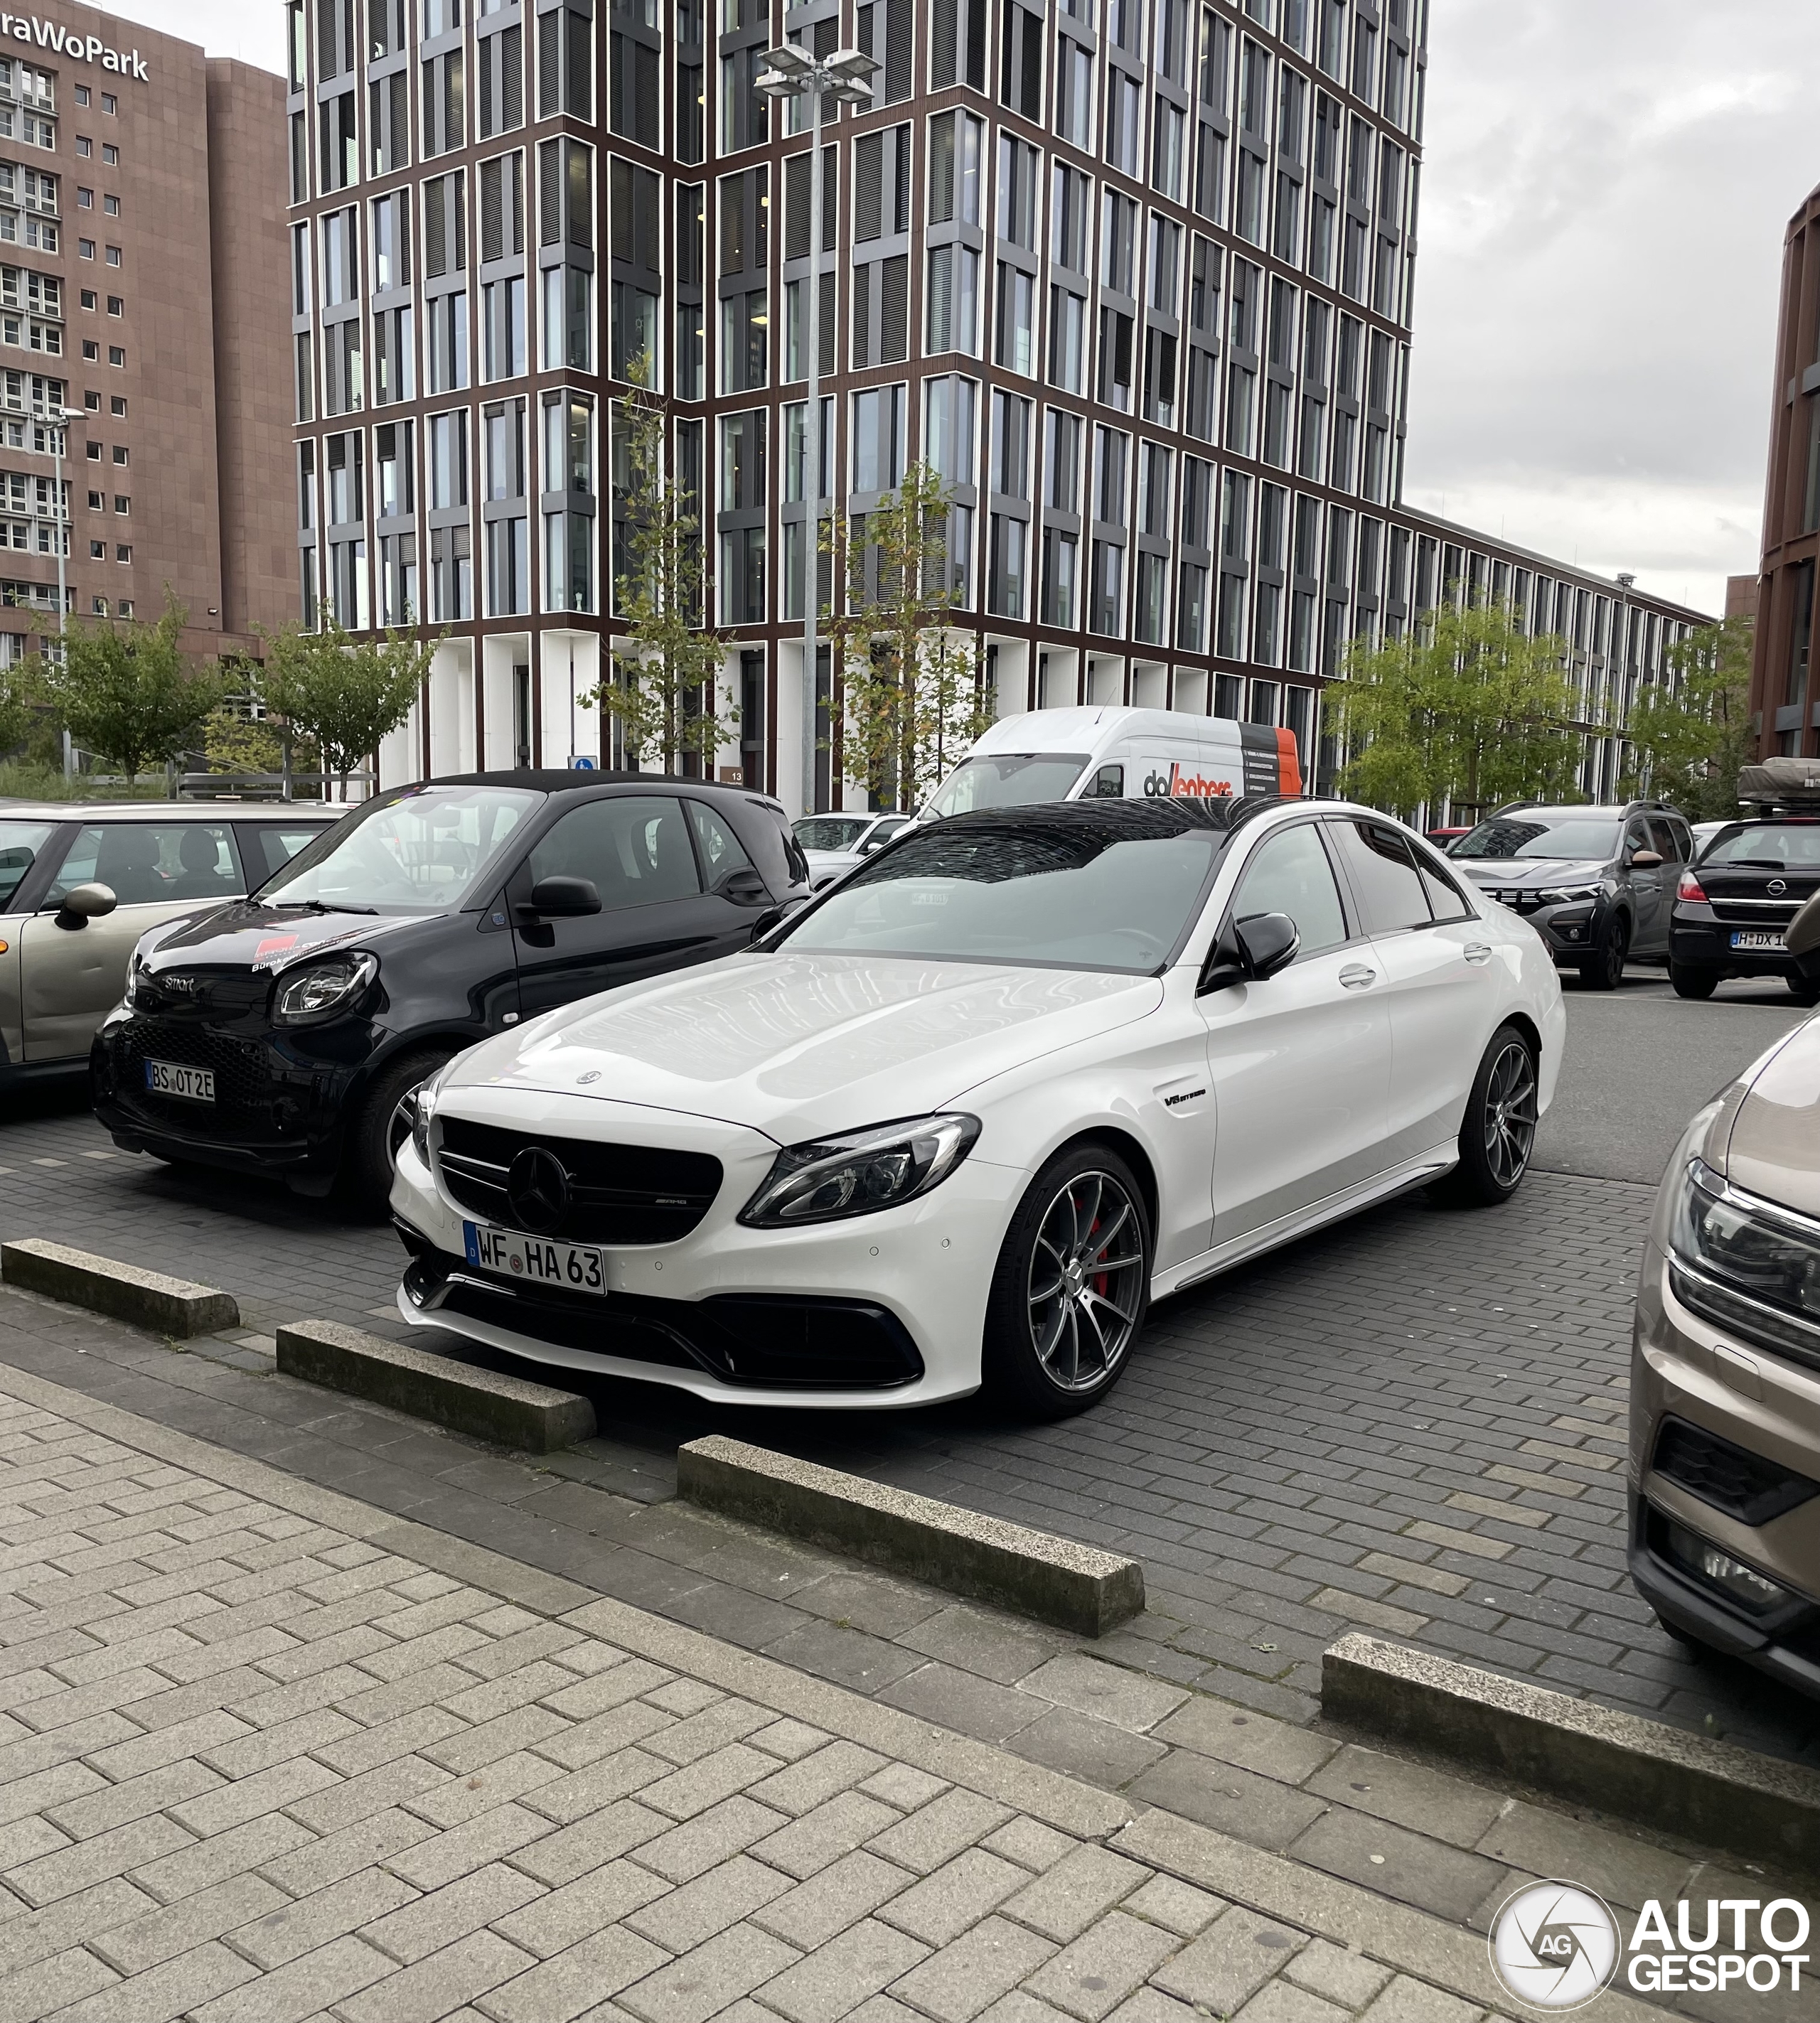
x: 273, y: 944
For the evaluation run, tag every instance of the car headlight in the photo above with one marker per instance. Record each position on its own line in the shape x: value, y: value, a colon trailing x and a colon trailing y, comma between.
x: 1745, y: 1266
x: 422, y: 1102
x: 135, y: 972
x: 316, y: 990
x: 1562, y: 895
x: 860, y: 1172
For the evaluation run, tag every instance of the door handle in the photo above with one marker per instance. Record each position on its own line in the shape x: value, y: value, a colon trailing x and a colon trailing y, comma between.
x: 1355, y: 976
x: 1478, y: 952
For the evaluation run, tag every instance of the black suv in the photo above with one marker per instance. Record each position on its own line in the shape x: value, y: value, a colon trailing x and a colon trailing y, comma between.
x: 1597, y: 884
x: 1733, y: 905
x: 279, y: 1033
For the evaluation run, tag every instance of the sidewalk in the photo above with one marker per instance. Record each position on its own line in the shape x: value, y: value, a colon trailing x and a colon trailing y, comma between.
x: 267, y: 1753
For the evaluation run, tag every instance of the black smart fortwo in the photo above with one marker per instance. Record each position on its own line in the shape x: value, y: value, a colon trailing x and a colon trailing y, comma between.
x: 278, y: 1033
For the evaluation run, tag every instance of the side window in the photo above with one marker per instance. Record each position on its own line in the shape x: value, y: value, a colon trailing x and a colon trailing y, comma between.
x: 722, y: 851
x: 1291, y: 874
x: 1445, y: 899
x: 634, y: 847
x: 267, y: 850
x: 149, y: 863
x: 1108, y: 783
x: 1384, y: 877
x: 1664, y: 842
x: 20, y: 843
x: 1637, y: 835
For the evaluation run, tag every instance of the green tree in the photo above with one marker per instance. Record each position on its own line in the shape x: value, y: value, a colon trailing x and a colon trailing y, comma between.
x: 17, y: 713
x: 910, y: 680
x: 1689, y: 740
x: 344, y: 694
x: 664, y: 686
x: 1467, y: 709
x: 128, y: 693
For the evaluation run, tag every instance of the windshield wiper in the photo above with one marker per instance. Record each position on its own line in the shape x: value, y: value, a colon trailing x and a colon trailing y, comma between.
x: 322, y: 906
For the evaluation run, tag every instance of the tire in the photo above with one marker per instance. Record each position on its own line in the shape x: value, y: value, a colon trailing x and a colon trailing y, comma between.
x: 1602, y: 968
x: 1497, y: 1134
x: 1049, y: 1351
x: 375, y: 1130
x: 1693, y: 980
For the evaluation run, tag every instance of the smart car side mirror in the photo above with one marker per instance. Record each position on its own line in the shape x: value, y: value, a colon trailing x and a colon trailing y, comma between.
x: 774, y: 916
x: 83, y: 903
x: 1645, y: 860
x: 559, y: 898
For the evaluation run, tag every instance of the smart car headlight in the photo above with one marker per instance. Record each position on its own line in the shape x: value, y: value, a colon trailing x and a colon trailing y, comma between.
x: 316, y: 990
x: 861, y: 1171
x: 1738, y: 1262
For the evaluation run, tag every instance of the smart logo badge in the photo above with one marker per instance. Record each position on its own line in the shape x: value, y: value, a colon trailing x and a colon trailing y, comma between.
x: 1554, y: 1945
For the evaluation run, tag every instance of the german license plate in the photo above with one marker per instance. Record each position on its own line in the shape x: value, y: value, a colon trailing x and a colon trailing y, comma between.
x: 1758, y: 937
x: 570, y: 1267
x: 173, y: 1078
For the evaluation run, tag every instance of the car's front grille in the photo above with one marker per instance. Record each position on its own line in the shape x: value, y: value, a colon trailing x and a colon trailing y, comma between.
x: 617, y: 1194
x: 188, y: 995
x: 1755, y: 912
x: 1731, y: 1478
x: 244, y: 1090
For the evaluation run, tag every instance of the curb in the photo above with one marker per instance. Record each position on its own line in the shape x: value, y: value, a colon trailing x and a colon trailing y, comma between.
x: 1033, y: 1573
x: 148, y: 1298
x: 1689, y: 1785
x: 508, y: 1410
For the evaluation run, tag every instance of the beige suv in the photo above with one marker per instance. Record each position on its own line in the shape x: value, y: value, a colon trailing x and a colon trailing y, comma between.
x: 80, y: 883
x: 1725, y: 1371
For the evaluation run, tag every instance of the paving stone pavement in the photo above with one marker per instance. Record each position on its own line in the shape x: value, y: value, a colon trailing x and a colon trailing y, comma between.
x: 1411, y: 1423
x: 267, y: 1753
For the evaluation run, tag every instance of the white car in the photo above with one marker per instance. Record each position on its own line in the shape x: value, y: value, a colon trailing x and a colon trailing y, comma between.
x: 959, y: 1120
x: 834, y: 843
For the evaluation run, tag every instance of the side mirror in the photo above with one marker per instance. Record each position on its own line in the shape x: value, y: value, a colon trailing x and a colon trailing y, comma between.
x: 83, y: 903
x: 1267, y: 942
x: 744, y: 887
x: 1248, y: 951
x: 1645, y: 860
x: 559, y: 898
x: 775, y: 916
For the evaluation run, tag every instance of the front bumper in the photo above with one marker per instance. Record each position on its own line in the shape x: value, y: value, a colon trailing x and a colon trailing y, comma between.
x: 885, y: 1309
x: 1684, y: 1368
x: 1698, y: 940
x: 1570, y: 929
x: 279, y: 1110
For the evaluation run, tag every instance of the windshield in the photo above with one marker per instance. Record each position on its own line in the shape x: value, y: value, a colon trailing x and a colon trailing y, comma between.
x: 1775, y: 846
x: 417, y: 854
x: 20, y: 843
x: 1043, y: 898
x: 1013, y: 781
x: 832, y: 831
x: 1536, y: 833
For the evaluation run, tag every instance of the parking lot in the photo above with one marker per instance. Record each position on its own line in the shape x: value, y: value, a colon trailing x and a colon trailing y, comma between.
x: 1412, y: 1425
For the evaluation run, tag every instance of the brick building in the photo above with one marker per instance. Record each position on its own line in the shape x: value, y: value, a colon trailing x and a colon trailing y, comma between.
x: 1788, y: 601
x: 141, y: 266
x: 1135, y: 275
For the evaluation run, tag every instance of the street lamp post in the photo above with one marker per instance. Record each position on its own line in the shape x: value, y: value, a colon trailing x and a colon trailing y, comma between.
x: 846, y: 76
x: 60, y: 421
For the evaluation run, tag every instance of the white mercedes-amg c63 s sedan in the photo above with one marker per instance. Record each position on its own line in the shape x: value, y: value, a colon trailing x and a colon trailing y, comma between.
x: 957, y: 1121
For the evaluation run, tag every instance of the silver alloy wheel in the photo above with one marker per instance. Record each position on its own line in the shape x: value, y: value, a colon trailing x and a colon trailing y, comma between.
x: 1510, y: 1113
x: 1085, y: 1281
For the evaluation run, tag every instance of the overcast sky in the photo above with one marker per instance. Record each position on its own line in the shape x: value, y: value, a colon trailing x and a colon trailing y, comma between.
x: 1606, y: 188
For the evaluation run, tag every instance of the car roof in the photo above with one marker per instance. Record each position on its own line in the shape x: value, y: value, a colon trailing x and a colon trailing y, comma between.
x: 166, y: 811
x: 552, y: 780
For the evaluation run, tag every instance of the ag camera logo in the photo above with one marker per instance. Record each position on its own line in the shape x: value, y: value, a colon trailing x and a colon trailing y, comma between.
x: 1554, y: 1945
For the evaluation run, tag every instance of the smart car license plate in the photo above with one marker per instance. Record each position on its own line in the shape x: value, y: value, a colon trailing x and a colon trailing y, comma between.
x: 173, y: 1078
x: 570, y: 1268
x: 1758, y: 937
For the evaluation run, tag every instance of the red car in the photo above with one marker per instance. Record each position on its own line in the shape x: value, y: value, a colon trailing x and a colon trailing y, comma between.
x: 1441, y: 838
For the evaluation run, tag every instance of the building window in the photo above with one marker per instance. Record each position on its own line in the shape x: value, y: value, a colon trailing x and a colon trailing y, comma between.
x: 117, y: 306
x: 110, y: 155
x: 82, y: 94
x: 89, y: 299
x: 112, y: 206
x: 91, y: 351
x: 109, y: 103
x: 113, y: 255
x: 117, y: 405
x: 97, y: 551
x: 122, y: 553
x: 97, y: 501
x: 86, y: 249
x: 85, y: 199
x: 119, y: 452
x: 94, y: 452
x: 123, y: 505
x: 116, y: 354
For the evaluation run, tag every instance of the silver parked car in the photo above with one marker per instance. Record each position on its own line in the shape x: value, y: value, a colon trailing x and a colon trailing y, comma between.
x: 80, y: 882
x: 1725, y: 1372
x: 834, y: 843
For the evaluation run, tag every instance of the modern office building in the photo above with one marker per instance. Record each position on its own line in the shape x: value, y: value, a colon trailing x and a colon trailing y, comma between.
x: 1135, y: 276
x: 1783, y: 700
x: 142, y: 266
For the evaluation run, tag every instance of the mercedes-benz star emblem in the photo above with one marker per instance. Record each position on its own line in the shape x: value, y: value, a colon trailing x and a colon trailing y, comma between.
x: 538, y: 1189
